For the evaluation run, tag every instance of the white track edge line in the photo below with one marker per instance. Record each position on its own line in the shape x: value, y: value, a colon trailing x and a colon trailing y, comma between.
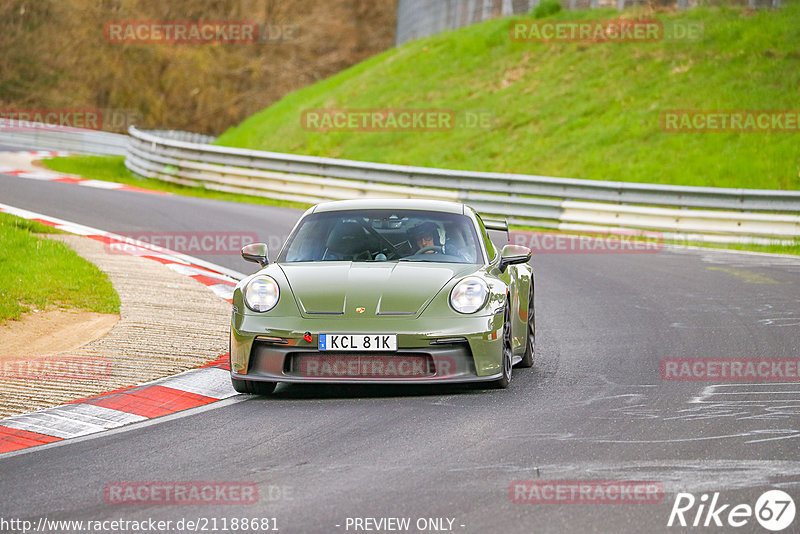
x: 13, y: 210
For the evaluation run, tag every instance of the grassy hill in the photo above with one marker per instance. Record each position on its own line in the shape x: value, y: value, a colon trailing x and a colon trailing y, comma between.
x: 581, y: 110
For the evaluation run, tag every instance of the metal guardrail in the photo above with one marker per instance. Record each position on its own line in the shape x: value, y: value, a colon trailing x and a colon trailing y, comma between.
x: 189, y: 137
x: 702, y: 213
x: 695, y: 213
x: 79, y: 141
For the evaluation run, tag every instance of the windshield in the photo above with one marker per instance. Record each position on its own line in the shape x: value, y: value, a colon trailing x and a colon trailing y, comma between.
x: 384, y: 235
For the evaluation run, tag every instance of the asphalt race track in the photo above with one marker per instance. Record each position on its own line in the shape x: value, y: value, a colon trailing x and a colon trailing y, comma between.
x: 595, y: 406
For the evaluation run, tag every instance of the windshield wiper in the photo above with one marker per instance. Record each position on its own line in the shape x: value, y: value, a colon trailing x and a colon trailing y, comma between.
x: 432, y: 260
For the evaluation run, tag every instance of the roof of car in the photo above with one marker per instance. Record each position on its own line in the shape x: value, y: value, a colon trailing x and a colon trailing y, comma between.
x: 391, y: 203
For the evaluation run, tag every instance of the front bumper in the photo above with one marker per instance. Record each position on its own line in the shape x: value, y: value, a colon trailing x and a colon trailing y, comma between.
x: 272, y: 349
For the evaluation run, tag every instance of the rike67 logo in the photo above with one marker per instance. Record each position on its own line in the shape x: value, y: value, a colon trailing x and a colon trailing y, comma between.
x: 774, y: 510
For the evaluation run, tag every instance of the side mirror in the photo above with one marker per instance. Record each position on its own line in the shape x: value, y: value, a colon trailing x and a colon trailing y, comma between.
x: 256, y: 252
x: 512, y: 254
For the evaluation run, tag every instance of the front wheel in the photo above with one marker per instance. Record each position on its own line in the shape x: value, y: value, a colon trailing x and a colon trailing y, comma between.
x: 505, y: 380
x: 252, y: 387
x: 530, y: 342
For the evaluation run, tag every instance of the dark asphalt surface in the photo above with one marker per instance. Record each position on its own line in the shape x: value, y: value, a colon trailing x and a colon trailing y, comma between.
x: 593, y: 408
x: 158, y: 218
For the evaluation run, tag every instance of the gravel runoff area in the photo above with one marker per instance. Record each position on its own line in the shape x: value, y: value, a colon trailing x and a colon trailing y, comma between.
x: 168, y: 323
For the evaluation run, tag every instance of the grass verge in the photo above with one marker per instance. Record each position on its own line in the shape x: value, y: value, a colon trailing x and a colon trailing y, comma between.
x: 112, y: 169
x: 36, y: 272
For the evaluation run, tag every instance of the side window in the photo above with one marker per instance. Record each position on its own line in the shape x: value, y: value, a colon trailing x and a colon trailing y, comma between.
x: 490, y: 250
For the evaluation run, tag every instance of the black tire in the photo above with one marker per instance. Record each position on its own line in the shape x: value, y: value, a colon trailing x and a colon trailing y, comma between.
x: 505, y: 380
x: 253, y: 387
x: 530, y: 340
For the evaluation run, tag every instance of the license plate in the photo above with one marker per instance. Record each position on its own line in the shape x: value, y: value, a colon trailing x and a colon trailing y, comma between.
x: 353, y: 342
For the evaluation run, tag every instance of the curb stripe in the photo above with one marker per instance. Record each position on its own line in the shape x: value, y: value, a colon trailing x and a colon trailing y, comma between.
x: 221, y: 284
x: 223, y: 362
x: 54, y: 176
x: 151, y: 401
x: 223, y: 291
x: 193, y: 388
x: 193, y: 270
x: 100, y: 235
x: 210, y: 382
x: 207, y: 280
x: 71, y: 420
x: 12, y: 439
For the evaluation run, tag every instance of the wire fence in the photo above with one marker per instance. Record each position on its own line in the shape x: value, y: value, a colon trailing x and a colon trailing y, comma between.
x: 420, y: 18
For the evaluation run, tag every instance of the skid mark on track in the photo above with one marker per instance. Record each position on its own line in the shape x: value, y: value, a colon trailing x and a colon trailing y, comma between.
x: 787, y: 433
x: 757, y: 413
x: 685, y: 475
x: 749, y: 261
x: 757, y: 402
x: 731, y: 394
x: 675, y: 474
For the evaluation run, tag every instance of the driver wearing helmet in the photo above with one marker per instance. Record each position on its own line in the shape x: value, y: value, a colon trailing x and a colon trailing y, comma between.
x: 425, y: 235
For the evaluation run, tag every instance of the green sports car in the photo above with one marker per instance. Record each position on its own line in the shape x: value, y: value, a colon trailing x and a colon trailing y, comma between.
x: 384, y: 291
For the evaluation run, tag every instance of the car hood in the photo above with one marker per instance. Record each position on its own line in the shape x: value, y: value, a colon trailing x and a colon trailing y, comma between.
x: 383, y: 289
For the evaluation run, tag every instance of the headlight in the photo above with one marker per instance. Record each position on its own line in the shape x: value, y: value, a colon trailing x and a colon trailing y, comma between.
x: 261, y: 293
x: 469, y: 295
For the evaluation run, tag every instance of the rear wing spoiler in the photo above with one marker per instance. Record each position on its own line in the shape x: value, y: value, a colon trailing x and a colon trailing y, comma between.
x: 496, y: 224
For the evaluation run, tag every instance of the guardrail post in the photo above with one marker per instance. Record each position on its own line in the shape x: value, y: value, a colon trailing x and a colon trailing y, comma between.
x: 486, y: 14
x: 470, y: 12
